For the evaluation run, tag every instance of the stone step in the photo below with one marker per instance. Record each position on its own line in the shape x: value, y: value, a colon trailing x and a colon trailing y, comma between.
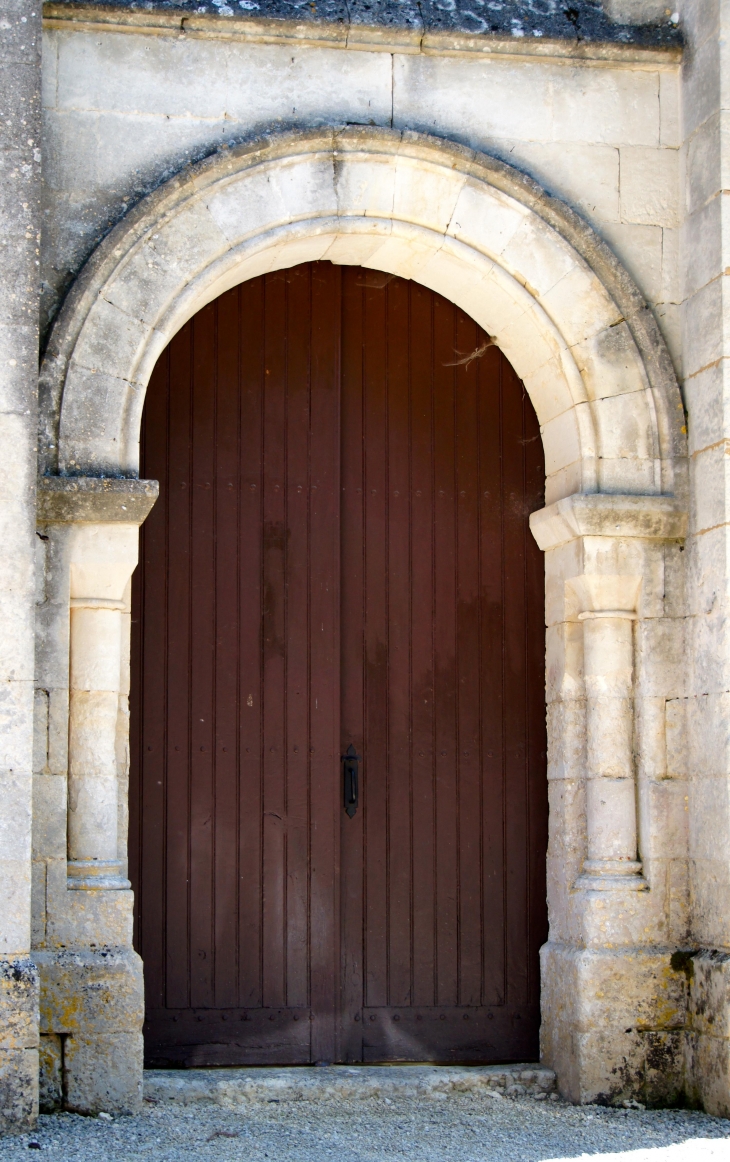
x: 239, y: 1086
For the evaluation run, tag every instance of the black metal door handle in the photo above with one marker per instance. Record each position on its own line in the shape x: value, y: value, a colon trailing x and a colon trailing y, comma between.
x: 350, y: 760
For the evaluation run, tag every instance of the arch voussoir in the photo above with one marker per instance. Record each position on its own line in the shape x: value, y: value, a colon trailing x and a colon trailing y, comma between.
x: 470, y: 227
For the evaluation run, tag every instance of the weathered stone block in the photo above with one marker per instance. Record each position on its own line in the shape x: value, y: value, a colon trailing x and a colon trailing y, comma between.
x: 15, y: 876
x: 710, y: 881
x: 623, y: 474
x: 16, y: 728
x: 40, y: 731
x: 640, y: 249
x: 611, y: 1063
x: 103, y: 1072
x: 660, y: 657
x: 49, y: 816
x: 598, y: 1006
x: 664, y: 815
x: 18, y: 1089
x: 58, y: 731
x: 650, y: 186
x: 701, y: 81
x: 670, y: 130
x: 15, y: 820
x: 650, y: 738
x: 677, y: 751
x: 18, y: 1004
x: 703, y: 328
x: 709, y: 835
x: 709, y: 985
x: 707, y: 396
x: 669, y: 881
x: 91, y: 992
x: 38, y: 903
x: 18, y: 349
x: 566, y: 738
x: 708, y: 1069
x: 50, y: 1073
x: 86, y: 919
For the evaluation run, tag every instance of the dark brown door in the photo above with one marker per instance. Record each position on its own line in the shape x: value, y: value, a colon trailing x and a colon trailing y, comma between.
x: 340, y: 555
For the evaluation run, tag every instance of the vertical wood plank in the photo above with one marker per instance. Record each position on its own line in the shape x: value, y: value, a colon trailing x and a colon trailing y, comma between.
x: 176, y: 607
x: 227, y: 649
x: 422, y: 646
x: 250, y: 708
x: 324, y: 704
x: 469, y: 775
x: 444, y: 634
x: 340, y: 554
x: 398, y: 565
x: 202, y: 694
x: 352, y: 669
x: 274, y: 641
x: 375, y: 488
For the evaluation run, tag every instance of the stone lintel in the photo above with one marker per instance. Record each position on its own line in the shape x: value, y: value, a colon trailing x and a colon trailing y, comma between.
x: 94, y: 500
x: 598, y: 514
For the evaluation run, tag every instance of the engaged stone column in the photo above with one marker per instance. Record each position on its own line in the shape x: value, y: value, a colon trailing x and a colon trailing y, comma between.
x: 103, y: 558
x: 606, y: 964
x: 610, y: 783
x: 91, y: 978
x: 102, y: 519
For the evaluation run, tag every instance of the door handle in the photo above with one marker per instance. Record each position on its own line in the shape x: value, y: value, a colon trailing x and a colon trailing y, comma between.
x: 350, y: 760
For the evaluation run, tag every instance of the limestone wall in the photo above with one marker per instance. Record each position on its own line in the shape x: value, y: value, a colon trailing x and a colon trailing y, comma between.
x: 631, y: 142
x: 705, y: 263
x: 19, y: 246
x: 125, y: 110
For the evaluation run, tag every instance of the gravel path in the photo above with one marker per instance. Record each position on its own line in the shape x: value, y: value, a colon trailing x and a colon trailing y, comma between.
x: 452, y: 1128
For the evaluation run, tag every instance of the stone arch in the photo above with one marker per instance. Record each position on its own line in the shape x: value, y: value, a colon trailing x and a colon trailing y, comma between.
x: 528, y: 269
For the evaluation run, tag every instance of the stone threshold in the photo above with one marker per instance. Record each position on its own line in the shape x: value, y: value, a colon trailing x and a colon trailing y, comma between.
x: 241, y: 1085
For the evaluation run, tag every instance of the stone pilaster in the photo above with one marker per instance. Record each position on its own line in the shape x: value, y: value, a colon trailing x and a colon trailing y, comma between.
x: 705, y: 266
x: 92, y: 999
x: 614, y: 997
x: 19, y: 247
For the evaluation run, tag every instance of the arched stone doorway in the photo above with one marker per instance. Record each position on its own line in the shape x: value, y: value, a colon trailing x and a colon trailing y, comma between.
x: 532, y: 274
x: 340, y: 557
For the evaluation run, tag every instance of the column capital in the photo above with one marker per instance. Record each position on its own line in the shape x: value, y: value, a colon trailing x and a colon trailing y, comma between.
x: 602, y: 514
x: 94, y: 500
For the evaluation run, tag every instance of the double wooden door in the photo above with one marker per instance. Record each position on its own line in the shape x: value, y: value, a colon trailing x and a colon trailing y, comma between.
x: 340, y: 556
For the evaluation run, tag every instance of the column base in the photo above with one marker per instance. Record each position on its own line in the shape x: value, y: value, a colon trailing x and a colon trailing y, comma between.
x: 607, y: 875
x: 92, y: 1010
x: 614, y: 1024
x: 93, y: 875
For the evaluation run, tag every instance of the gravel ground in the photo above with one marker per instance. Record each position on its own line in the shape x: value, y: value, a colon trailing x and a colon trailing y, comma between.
x: 453, y: 1128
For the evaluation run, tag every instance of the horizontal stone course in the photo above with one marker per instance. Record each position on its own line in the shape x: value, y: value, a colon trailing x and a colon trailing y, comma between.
x: 239, y: 1086
x: 585, y: 21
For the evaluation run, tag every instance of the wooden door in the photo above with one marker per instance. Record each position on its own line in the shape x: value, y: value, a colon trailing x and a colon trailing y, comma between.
x: 340, y: 555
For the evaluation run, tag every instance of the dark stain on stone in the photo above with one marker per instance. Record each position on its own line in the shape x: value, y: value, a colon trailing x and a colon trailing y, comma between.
x: 682, y: 961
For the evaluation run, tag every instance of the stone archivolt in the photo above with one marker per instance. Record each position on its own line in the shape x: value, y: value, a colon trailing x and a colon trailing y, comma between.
x: 571, y: 321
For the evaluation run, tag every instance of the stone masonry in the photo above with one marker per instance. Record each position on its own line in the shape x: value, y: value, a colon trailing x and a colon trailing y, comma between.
x: 559, y: 171
x: 20, y: 155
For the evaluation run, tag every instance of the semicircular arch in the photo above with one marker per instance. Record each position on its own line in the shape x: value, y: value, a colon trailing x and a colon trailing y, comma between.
x: 525, y: 266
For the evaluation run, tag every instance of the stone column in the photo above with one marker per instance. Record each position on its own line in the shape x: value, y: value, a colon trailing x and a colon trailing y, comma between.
x: 19, y: 247
x: 92, y: 999
x: 610, y: 783
x: 613, y: 996
x: 102, y: 559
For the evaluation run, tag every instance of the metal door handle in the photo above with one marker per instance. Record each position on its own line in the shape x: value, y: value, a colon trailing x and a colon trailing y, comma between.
x: 350, y: 760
